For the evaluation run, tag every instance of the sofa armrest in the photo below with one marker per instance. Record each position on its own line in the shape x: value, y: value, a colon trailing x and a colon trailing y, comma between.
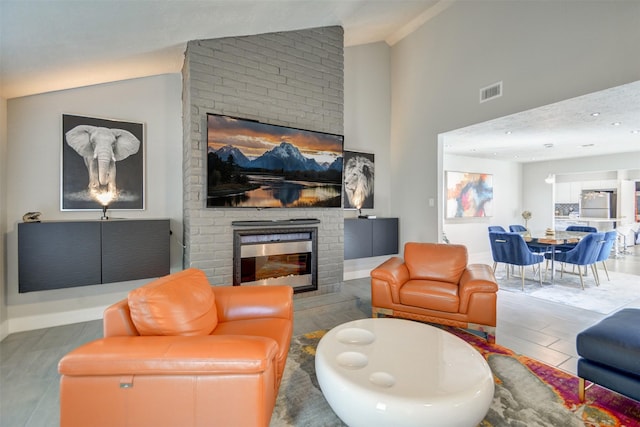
x: 251, y: 302
x: 475, y: 278
x: 394, y: 273
x: 117, y: 321
x: 171, y: 355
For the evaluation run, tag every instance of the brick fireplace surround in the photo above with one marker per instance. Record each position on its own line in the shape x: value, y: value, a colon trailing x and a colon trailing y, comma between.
x: 290, y: 78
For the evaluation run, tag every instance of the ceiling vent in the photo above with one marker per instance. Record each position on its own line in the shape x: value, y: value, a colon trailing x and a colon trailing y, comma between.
x: 491, y: 92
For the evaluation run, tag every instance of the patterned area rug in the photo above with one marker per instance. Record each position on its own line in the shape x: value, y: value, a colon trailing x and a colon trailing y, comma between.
x: 528, y: 393
x: 607, y: 298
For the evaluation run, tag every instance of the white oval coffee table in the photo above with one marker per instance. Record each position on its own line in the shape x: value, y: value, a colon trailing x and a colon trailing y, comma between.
x: 394, y: 372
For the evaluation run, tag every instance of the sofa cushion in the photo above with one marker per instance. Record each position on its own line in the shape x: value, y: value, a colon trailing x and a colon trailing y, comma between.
x: 178, y: 304
x: 441, y: 262
x: 614, y: 341
x: 432, y: 295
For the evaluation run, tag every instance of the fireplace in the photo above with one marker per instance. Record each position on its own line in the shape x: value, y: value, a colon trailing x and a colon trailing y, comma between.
x: 276, y: 256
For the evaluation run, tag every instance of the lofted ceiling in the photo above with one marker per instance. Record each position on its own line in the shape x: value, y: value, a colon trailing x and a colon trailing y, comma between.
x: 54, y: 45
x: 604, y: 122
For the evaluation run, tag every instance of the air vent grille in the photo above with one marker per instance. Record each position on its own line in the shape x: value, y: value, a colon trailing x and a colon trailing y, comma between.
x: 491, y: 92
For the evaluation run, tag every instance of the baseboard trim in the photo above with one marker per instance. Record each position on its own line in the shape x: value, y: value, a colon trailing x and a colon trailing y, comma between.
x: 356, y: 274
x: 4, y: 330
x: 29, y: 323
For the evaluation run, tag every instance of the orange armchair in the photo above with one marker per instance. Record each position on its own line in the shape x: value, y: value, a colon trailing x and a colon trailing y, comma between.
x: 179, y: 352
x: 434, y: 284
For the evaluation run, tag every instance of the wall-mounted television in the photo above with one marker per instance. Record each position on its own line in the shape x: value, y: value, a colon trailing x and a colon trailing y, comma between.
x: 258, y: 165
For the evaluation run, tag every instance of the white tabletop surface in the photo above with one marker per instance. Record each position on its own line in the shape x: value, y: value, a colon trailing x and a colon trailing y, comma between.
x: 398, y: 369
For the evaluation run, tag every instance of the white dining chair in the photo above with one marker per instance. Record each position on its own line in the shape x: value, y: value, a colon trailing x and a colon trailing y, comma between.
x: 623, y: 231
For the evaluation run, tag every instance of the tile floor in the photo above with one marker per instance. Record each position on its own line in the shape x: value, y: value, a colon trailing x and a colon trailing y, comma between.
x: 542, y: 330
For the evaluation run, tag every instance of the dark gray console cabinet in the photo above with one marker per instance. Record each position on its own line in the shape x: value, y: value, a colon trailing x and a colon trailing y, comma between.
x: 54, y: 255
x: 370, y: 237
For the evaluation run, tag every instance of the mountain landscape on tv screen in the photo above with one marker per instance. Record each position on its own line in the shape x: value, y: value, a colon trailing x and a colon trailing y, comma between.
x: 283, y: 157
x: 280, y: 177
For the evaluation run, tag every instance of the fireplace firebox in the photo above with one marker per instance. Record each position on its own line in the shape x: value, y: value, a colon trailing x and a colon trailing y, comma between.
x: 276, y: 256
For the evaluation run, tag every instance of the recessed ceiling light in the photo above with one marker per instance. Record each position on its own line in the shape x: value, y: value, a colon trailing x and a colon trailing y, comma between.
x: 596, y: 114
x: 587, y: 145
x: 508, y: 132
x: 635, y: 131
x: 548, y: 145
x: 616, y: 123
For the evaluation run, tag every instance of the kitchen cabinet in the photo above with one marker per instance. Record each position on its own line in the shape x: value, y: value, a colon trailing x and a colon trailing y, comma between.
x: 575, y: 191
x: 568, y: 192
x: 365, y: 238
x: 602, y: 184
x: 563, y: 190
x: 64, y: 254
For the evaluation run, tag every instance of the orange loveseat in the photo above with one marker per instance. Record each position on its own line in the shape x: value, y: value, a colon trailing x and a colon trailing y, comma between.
x: 179, y: 352
x: 434, y: 284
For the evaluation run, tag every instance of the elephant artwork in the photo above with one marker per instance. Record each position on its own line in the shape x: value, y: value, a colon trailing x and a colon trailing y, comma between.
x: 103, y: 148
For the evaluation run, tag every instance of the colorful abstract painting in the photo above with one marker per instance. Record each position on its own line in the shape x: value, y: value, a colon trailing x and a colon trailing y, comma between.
x: 469, y: 194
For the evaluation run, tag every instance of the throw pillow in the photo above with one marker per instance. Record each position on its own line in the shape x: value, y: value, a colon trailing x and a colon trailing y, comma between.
x: 178, y: 304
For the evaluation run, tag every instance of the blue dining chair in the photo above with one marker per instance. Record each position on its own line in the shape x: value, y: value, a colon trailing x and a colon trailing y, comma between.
x: 584, y: 253
x: 498, y: 229
x: 497, y: 253
x: 609, y: 240
x: 535, y: 247
x: 511, y: 249
x: 582, y: 228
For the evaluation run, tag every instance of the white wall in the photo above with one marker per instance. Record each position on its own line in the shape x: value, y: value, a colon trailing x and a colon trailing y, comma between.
x: 367, y: 113
x: 367, y: 120
x: 506, y: 206
x: 543, y: 52
x: 33, y: 182
x: 4, y: 324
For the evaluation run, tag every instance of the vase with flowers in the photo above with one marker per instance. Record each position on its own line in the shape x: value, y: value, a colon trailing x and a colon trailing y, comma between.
x: 526, y: 215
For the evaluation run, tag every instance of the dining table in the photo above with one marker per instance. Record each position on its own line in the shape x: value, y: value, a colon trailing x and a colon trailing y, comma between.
x: 551, y: 240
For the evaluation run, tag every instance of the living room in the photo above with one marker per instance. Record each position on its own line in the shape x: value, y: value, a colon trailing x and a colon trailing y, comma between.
x: 383, y: 114
x: 397, y: 100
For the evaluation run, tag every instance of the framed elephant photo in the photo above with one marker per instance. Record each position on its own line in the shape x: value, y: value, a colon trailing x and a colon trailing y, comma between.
x: 102, y: 164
